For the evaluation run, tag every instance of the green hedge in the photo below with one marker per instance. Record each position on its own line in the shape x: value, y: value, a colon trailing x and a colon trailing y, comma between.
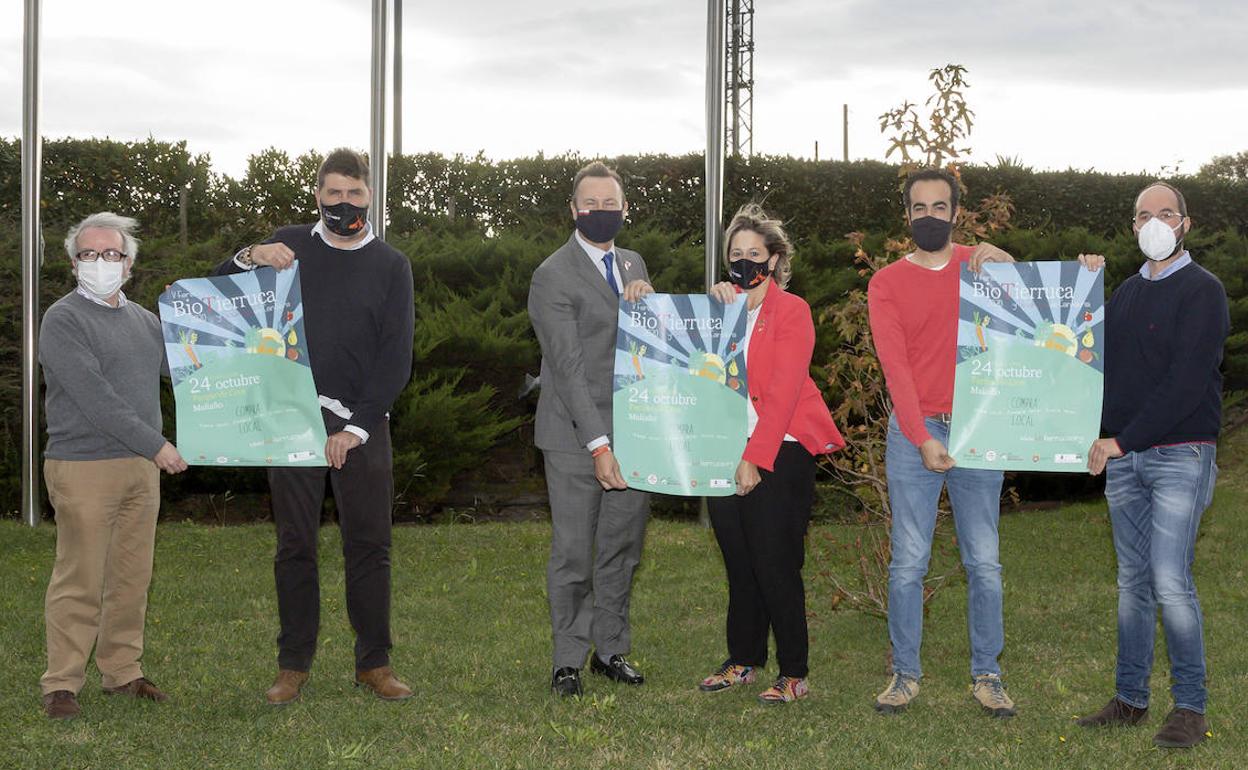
x: 459, y: 423
x: 820, y: 200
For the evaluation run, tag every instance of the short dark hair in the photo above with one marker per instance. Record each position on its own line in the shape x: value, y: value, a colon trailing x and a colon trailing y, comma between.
x: 1178, y: 195
x: 344, y: 161
x: 931, y: 175
x: 599, y: 169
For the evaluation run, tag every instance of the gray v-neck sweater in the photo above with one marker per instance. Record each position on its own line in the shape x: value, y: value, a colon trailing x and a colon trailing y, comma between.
x: 102, y: 367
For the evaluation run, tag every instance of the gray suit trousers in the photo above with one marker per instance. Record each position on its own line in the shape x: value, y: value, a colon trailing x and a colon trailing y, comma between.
x: 595, y: 547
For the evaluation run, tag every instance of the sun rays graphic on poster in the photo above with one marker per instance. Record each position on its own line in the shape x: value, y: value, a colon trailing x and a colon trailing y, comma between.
x: 1030, y: 364
x: 212, y: 319
x: 1012, y: 301
x: 241, y: 374
x: 679, y: 393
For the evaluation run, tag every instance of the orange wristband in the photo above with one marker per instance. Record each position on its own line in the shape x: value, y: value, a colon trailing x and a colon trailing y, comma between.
x: 602, y: 450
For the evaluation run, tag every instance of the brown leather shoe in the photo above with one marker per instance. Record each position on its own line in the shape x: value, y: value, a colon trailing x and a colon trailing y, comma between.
x: 286, y: 687
x: 1115, y: 713
x: 61, y: 704
x: 384, y: 683
x: 1183, y: 729
x: 139, y: 688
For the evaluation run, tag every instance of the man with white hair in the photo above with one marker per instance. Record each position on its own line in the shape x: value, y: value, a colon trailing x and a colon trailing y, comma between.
x: 102, y: 358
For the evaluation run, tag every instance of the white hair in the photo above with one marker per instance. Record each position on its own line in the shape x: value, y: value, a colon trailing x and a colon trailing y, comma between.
x: 106, y: 220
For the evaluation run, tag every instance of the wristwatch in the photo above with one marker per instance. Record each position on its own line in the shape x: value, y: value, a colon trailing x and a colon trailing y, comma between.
x: 244, y: 257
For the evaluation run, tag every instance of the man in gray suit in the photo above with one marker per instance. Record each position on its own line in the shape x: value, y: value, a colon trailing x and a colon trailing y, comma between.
x: 598, y: 522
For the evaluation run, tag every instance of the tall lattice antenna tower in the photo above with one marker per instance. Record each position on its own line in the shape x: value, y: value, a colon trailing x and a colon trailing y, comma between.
x: 739, y: 69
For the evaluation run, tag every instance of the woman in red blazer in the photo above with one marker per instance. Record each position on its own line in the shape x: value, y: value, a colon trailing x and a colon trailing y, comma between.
x: 762, y: 529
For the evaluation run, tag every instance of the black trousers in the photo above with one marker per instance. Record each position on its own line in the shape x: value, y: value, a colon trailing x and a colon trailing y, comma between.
x: 763, y: 539
x: 363, y: 489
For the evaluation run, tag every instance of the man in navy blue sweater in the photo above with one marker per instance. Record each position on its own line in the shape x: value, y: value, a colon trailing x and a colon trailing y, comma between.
x: 1164, y: 332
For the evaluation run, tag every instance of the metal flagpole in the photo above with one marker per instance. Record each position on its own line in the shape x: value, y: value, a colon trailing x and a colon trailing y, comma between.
x: 715, y: 53
x: 377, y: 151
x: 715, y: 22
x: 32, y: 260
x: 398, y: 78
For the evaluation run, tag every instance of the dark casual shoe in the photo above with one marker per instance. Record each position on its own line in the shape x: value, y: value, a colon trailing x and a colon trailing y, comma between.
x: 1115, y: 713
x: 616, y: 668
x: 1183, y: 729
x: 728, y: 675
x: 61, y: 704
x: 139, y: 688
x: 989, y: 691
x: 383, y: 683
x: 566, y: 682
x: 286, y: 687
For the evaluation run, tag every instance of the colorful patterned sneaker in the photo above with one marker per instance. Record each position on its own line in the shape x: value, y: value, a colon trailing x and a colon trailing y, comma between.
x: 786, y: 690
x: 897, y: 696
x: 728, y: 675
x: 990, y: 692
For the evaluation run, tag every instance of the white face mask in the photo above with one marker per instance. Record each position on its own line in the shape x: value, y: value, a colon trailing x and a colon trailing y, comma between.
x: 102, y: 278
x: 1157, y: 239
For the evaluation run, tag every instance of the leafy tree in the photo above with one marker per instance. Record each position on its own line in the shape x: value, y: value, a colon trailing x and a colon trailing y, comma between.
x: 1231, y: 168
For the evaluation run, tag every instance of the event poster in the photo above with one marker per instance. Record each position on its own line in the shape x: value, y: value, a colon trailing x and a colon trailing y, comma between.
x: 680, y: 394
x: 241, y: 376
x: 1030, y: 371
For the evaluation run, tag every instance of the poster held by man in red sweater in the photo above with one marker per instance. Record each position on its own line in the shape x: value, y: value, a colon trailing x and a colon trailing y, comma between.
x: 1028, y: 383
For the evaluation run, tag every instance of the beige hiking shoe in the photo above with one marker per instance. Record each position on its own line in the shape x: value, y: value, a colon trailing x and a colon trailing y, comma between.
x: 990, y: 692
x: 900, y: 691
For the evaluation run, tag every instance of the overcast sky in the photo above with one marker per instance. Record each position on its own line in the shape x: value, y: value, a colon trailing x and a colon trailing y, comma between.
x: 1115, y: 86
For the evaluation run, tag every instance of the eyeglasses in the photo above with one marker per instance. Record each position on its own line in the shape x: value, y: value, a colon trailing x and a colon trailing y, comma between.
x: 1165, y: 215
x: 90, y: 255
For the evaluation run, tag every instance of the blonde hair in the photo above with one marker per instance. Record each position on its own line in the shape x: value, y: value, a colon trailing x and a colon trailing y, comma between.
x: 752, y: 218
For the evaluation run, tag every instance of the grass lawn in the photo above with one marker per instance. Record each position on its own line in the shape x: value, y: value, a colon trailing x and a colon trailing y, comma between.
x: 471, y: 634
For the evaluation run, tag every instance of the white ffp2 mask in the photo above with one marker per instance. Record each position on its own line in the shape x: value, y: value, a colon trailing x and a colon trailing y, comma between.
x: 1157, y: 239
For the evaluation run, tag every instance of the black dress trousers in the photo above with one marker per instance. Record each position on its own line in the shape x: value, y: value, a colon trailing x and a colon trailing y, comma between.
x: 363, y: 490
x: 763, y: 539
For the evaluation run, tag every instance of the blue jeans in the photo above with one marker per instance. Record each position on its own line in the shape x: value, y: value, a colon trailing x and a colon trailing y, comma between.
x: 1156, y: 498
x: 913, y: 492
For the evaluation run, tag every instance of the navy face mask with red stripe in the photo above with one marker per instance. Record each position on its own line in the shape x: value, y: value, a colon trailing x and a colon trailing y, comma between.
x: 344, y: 218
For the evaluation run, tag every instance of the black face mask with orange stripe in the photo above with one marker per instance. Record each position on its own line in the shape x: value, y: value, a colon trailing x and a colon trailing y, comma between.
x: 747, y: 273
x: 344, y: 218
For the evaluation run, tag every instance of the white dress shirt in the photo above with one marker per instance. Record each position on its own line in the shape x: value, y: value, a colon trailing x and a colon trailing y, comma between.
x: 121, y: 298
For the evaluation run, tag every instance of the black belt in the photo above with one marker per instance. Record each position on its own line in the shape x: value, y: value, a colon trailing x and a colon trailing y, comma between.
x: 944, y: 417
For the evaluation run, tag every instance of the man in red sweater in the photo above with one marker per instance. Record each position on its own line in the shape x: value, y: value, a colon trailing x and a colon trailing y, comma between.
x: 913, y: 304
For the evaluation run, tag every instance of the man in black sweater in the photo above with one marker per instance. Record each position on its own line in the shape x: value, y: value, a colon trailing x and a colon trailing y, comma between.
x: 1164, y: 332
x: 358, y: 318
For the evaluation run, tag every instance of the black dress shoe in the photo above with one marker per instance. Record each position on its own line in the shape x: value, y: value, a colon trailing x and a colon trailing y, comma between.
x: 616, y: 668
x: 566, y: 682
